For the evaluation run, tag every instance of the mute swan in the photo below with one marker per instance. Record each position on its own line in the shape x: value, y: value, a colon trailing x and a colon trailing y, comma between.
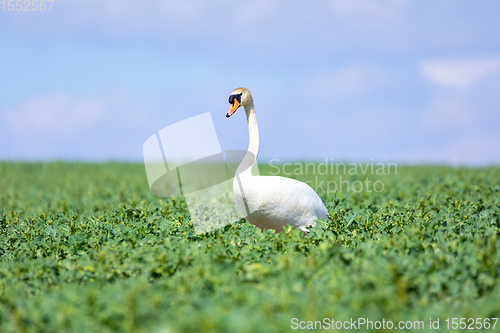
x: 271, y: 201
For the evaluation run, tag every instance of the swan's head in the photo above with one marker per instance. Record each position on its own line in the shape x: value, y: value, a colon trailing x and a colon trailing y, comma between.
x: 239, y: 97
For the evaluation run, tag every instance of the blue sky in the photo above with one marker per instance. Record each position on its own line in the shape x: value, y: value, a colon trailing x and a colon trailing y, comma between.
x: 395, y: 81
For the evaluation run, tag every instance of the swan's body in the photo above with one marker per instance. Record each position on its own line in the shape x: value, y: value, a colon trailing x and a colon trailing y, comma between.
x: 270, y: 202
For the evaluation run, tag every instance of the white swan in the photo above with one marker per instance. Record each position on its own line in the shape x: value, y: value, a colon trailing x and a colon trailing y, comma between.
x: 271, y: 202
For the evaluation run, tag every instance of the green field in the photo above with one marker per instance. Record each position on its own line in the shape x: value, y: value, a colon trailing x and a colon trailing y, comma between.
x: 87, y: 248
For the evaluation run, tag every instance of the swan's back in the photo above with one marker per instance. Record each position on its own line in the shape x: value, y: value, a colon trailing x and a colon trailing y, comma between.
x: 274, y: 202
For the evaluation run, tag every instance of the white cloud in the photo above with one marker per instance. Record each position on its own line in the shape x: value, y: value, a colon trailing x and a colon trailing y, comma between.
x: 375, y: 10
x: 462, y: 105
x: 460, y: 73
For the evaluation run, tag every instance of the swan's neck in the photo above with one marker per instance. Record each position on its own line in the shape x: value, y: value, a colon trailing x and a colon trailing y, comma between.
x: 253, y: 130
x: 245, y: 167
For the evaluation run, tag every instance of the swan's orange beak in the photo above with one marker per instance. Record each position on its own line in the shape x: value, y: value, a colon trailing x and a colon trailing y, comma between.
x: 233, y: 108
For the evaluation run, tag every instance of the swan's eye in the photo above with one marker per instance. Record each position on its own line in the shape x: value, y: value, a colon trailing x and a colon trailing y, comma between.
x: 233, y: 97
